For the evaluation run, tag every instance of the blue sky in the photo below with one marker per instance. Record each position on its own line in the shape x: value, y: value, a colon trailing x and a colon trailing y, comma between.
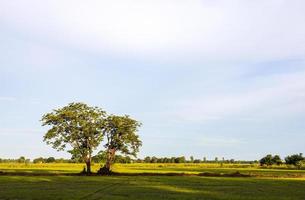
x: 206, y: 78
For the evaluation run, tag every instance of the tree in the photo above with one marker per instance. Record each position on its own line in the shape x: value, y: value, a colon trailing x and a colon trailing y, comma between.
x: 294, y: 159
x: 267, y: 160
x: 99, y: 157
x: 277, y: 160
x: 122, y: 159
x: 21, y: 159
x: 180, y: 159
x: 39, y: 160
x: 50, y: 160
x: 147, y: 159
x: 78, y: 125
x: 121, y: 136
x: 271, y: 160
x: 300, y: 164
x: 154, y: 159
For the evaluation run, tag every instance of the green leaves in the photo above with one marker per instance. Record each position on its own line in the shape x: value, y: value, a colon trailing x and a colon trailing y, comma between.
x: 83, y: 127
x: 77, y: 124
x: 121, y: 134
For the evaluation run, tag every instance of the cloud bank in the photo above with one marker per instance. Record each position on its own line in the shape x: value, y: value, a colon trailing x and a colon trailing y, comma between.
x: 210, y: 30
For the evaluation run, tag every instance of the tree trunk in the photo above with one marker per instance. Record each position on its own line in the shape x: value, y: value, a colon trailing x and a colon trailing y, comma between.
x: 88, y: 163
x: 106, y: 169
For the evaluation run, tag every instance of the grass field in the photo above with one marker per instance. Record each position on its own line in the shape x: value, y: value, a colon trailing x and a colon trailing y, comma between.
x: 266, y: 184
x: 253, y: 170
x: 152, y: 187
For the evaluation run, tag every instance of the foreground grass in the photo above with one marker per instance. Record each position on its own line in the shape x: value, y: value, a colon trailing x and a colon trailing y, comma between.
x: 268, y: 184
x: 152, y: 187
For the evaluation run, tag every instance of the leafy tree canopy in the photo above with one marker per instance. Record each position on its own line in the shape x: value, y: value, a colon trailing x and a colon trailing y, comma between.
x: 295, y: 159
x: 121, y: 136
x: 78, y: 125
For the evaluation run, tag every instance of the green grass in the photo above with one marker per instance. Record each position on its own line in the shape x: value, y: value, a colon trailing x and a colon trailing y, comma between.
x: 266, y: 184
x: 253, y: 170
x: 152, y: 187
x: 52, y: 168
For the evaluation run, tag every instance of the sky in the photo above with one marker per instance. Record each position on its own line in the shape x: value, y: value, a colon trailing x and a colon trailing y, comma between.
x: 207, y: 78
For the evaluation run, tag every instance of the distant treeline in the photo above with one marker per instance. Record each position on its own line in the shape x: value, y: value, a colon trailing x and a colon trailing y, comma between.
x: 22, y: 159
x: 183, y: 159
x: 125, y: 159
x: 297, y: 160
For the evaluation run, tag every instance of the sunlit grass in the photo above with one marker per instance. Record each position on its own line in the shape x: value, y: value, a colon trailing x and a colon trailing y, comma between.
x: 188, y: 168
x: 277, y: 183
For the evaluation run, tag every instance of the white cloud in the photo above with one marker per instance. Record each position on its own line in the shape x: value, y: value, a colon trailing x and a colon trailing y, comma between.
x: 216, y: 30
x: 279, y: 95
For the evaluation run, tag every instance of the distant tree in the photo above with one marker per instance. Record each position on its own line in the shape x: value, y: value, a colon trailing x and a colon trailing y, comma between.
x: 122, y: 159
x: 180, y: 159
x: 271, y: 160
x: 21, y: 159
x: 294, y: 159
x: 197, y: 161
x: 147, y: 159
x: 50, y: 160
x: 277, y: 160
x: 100, y: 157
x: 204, y: 159
x: 267, y: 160
x: 39, y: 160
x: 127, y: 159
x: 191, y: 159
x: 154, y: 159
x: 78, y: 125
x: 76, y: 157
x: 121, y: 136
x: 300, y: 164
x: 61, y: 160
x: 216, y: 159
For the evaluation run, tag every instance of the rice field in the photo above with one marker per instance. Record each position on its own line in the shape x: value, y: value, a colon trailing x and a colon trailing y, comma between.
x: 188, y: 168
